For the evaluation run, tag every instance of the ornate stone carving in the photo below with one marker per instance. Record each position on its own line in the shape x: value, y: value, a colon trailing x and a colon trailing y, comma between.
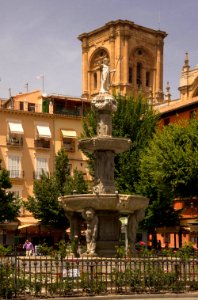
x: 92, y: 230
x: 132, y: 227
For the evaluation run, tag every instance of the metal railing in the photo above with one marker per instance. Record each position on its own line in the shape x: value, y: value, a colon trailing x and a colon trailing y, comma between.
x: 14, y: 141
x: 40, y: 143
x: 16, y: 174
x: 55, y: 276
x: 38, y: 174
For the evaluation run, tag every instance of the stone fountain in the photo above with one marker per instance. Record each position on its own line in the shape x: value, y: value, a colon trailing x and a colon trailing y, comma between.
x: 103, y: 208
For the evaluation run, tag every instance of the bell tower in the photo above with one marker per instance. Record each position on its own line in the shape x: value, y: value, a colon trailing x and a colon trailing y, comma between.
x: 135, y: 55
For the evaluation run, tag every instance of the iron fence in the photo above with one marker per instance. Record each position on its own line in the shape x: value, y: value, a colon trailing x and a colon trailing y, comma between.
x: 55, y: 276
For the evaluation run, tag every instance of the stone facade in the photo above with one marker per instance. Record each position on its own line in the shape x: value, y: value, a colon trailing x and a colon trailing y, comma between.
x: 135, y: 54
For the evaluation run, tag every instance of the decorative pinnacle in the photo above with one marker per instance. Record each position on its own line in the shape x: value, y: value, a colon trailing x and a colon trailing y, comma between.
x: 168, y: 95
x: 186, y: 66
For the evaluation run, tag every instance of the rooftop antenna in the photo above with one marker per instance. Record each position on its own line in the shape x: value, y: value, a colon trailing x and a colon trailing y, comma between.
x: 10, y: 93
x: 159, y: 16
x: 26, y: 85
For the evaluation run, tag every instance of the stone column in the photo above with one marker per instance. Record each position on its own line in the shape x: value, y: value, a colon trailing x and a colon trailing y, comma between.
x: 85, y: 68
x: 118, y: 59
x: 126, y: 59
x: 112, y: 51
x: 159, y: 68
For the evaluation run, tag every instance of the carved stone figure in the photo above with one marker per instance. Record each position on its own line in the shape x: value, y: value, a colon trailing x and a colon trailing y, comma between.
x: 105, y: 71
x: 132, y: 227
x: 92, y: 230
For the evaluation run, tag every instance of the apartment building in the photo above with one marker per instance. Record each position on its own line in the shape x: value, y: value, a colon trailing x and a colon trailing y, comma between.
x: 174, y: 111
x: 33, y: 128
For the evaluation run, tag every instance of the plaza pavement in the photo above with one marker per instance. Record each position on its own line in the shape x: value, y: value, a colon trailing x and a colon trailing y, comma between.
x: 192, y: 296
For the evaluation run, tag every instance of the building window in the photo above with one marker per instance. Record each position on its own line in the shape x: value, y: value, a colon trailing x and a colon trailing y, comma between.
x: 14, y: 166
x: 43, y: 137
x: 69, y: 144
x: 139, y: 75
x: 147, y: 79
x: 68, y: 139
x: 130, y: 74
x: 166, y: 121
x: 193, y: 114
x: 95, y: 80
x: 17, y: 191
x: 31, y: 106
x: 21, y: 105
x: 41, y: 166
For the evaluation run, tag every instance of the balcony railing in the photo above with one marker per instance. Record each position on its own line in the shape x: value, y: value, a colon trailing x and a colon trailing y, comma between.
x: 67, y: 112
x: 37, y: 174
x: 16, y: 174
x: 41, y: 143
x: 14, y: 141
x: 68, y: 145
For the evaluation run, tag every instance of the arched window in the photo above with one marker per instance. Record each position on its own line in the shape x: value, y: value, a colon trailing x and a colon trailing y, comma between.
x: 130, y: 75
x: 147, y: 79
x: 139, y: 75
x: 95, y: 63
x: 95, y: 80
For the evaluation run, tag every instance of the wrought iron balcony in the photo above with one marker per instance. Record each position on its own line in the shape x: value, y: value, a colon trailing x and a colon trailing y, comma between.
x: 37, y: 174
x: 16, y: 141
x: 68, y: 144
x: 16, y: 174
x: 42, y: 143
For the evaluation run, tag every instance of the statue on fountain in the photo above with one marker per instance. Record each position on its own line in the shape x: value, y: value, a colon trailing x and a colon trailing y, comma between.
x: 92, y: 230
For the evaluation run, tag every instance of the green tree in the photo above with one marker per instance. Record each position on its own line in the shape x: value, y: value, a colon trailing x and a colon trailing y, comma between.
x: 62, y: 171
x: 44, y: 203
x: 134, y: 119
x: 9, y: 205
x: 76, y: 184
x: 169, y: 169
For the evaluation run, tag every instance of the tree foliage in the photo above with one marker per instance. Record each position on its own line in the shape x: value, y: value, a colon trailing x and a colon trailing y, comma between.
x: 134, y: 119
x: 62, y: 171
x: 169, y: 169
x: 44, y: 203
x: 9, y: 205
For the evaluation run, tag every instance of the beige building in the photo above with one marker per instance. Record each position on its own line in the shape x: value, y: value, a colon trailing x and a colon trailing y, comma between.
x: 33, y: 128
x: 186, y: 106
x: 135, y: 55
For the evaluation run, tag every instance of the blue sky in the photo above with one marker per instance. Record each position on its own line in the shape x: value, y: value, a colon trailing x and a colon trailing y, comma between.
x: 40, y: 37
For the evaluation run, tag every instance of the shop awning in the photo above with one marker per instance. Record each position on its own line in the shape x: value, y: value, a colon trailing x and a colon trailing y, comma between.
x: 194, y: 228
x: 26, y: 225
x: 16, y: 127
x: 27, y: 222
x: 68, y: 133
x: 43, y: 131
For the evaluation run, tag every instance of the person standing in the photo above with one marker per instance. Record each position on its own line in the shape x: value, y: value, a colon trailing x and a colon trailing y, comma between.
x: 29, y: 248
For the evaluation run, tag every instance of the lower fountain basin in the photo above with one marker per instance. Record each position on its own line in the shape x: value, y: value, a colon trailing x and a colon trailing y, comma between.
x: 117, y: 202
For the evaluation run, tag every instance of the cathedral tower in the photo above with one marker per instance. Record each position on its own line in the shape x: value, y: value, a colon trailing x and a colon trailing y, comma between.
x: 135, y: 55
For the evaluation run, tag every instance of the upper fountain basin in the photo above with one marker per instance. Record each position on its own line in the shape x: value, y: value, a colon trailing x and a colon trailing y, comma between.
x: 115, y: 144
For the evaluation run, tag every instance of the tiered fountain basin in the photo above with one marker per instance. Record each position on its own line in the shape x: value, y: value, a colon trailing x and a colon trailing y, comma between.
x: 117, y: 145
x: 120, y: 203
